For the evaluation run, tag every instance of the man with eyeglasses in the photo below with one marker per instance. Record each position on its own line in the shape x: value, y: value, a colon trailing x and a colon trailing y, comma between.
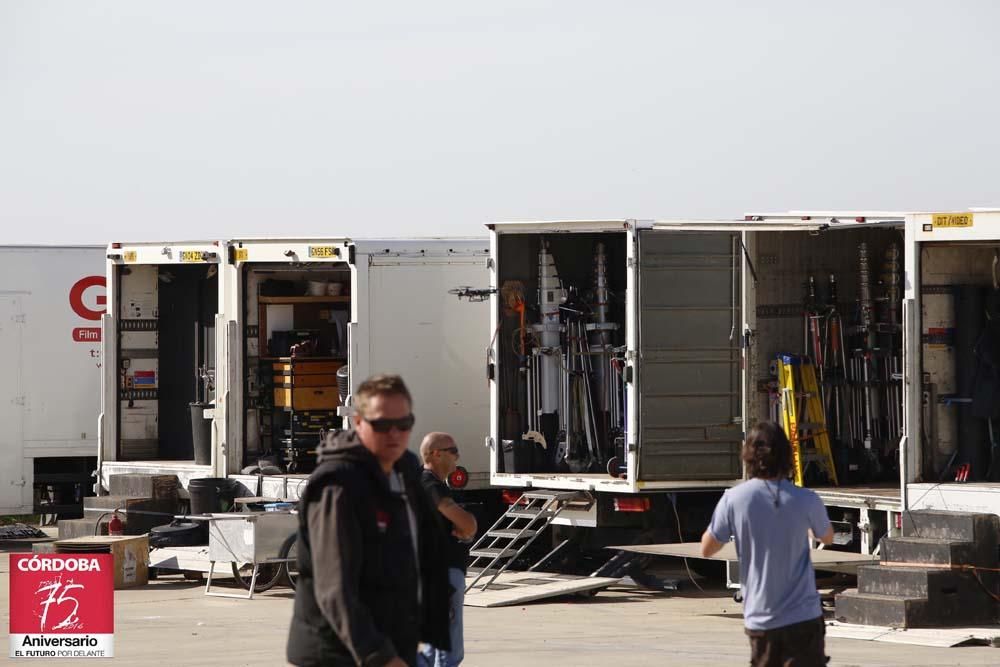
x: 371, y: 584
x: 440, y: 455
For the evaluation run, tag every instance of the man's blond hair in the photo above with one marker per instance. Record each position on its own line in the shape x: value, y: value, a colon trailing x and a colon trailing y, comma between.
x: 383, y: 384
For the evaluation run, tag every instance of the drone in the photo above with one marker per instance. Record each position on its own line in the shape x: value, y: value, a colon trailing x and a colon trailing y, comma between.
x: 472, y: 294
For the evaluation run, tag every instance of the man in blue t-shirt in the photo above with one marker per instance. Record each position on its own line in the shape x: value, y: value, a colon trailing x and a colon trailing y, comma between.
x: 770, y: 518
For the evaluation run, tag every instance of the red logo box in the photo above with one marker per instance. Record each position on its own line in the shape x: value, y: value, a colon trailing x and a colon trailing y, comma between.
x: 62, y: 606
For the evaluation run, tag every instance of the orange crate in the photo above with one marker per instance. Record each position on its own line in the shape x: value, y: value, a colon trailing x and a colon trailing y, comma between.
x: 318, y: 380
x: 307, y: 398
x: 307, y: 367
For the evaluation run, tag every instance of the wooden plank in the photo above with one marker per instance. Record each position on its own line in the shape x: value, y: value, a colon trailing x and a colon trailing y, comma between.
x: 98, y: 540
x: 880, y: 491
x: 933, y: 637
x: 513, y: 588
x: 822, y: 559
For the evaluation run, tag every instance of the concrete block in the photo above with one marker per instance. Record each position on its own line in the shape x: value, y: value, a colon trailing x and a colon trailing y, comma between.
x: 931, y: 551
x: 140, y: 485
x: 955, y: 526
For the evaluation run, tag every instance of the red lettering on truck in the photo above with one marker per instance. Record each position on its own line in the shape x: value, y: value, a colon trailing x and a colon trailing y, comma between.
x: 76, y: 299
x: 87, y: 334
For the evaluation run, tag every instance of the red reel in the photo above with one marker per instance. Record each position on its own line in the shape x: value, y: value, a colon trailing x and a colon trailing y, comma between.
x: 459, y: 478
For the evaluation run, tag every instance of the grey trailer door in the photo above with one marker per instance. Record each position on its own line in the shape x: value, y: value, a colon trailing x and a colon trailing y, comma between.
x: 688, y: 373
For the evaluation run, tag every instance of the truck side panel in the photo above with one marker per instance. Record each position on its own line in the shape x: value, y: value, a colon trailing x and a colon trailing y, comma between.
x: 51, y: 302
x: 419, y: 330
x: 689, y: 350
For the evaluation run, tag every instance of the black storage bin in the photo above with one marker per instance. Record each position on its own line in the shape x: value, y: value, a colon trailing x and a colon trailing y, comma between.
x: 520, y: 456
x: 179, y: 534
x: 201, y: 434
x: 211, y: 495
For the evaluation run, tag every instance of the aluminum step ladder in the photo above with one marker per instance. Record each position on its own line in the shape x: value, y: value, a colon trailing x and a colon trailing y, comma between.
x: 803, y: 418
x: 515, y: 530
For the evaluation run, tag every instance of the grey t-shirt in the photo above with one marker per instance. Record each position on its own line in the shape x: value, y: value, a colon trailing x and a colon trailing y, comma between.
x: 776, y: 573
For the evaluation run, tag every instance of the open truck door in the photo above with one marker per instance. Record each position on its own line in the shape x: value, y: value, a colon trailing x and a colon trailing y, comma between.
x: 694, y: 283
x: 289, y: 305
x: 161, y: 355
x: 686, y: 398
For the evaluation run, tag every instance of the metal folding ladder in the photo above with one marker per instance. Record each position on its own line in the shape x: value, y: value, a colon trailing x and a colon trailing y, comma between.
x: 803, y: 418
x: 515, y: 530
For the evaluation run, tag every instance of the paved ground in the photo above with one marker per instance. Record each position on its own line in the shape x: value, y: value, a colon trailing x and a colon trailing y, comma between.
x: 171, y: 622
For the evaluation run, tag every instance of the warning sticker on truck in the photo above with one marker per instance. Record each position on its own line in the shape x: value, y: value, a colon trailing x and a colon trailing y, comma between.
x: 952, y: 219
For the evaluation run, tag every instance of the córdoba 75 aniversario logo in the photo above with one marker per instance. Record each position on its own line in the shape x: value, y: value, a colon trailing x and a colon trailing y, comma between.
x: 62, y: 606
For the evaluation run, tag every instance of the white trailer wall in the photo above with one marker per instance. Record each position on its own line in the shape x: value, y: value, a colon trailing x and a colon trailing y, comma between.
x: 409, y: 324
x: 51, y: 301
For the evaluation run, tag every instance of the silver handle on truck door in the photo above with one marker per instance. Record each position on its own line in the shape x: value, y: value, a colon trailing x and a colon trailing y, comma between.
x: 214, y: 460
x: 100, y: 453
x: 197, y: 357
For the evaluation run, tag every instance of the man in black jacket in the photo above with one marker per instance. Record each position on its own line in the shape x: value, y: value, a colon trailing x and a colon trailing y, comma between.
x: 372, y: 583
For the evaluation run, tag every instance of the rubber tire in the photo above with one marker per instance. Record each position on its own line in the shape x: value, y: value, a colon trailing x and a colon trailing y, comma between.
x: 268, y: 575
x: 291, y: 571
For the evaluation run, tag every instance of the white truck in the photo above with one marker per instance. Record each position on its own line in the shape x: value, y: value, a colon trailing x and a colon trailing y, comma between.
x: 628, y: 359
x: 214, y: 323
x: 51, y: 303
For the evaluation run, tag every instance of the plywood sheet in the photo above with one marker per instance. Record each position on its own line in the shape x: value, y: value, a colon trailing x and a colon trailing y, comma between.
x: 839, y: 561
x: 513, y: 588
x: 935, y: 637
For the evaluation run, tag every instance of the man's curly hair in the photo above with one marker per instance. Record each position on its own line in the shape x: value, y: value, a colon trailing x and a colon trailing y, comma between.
x: 767, y: 452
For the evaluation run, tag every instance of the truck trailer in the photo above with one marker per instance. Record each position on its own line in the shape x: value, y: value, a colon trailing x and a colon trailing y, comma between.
x: 266, y: 340
x: 51, y: 304
x: 629, y: 358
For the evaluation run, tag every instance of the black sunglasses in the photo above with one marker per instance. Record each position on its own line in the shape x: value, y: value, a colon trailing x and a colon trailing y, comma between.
x: 452, y: 450
x: 386, y: 425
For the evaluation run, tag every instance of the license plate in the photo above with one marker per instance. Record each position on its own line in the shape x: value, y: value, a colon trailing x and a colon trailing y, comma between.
x: 322, y: 251
x: 242, y: 254
x: 191, y: 256
x: 129, y: 255
x: 952, y: 220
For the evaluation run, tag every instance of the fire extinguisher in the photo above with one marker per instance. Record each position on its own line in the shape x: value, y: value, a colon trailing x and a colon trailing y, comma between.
x: 115, y: 526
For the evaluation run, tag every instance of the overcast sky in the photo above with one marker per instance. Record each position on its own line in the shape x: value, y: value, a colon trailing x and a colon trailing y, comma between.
x: 143, y: 120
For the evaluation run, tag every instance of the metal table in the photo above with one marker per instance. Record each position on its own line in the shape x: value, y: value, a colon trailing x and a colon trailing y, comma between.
x: 246, y: 538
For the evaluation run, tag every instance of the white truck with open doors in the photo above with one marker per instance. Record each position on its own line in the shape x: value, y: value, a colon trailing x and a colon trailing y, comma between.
x: 952, y: 302
x: 269, y: 338
x: 51, y: 301
x: 628, y: 359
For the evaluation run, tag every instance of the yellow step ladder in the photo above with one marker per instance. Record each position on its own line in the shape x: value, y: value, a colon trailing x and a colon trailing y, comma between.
x: 803, y: 418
